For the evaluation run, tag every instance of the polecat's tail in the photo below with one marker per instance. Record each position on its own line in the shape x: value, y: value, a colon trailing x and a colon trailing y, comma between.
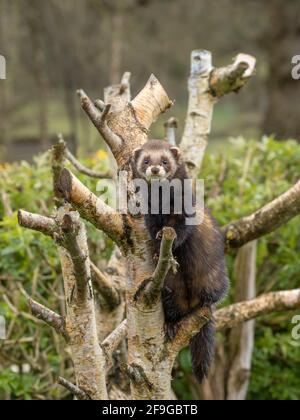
x: 202, y: 347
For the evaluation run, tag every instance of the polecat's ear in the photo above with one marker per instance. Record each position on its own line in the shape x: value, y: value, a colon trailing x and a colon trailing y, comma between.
x: 137, y: 153
x: 175, y: 152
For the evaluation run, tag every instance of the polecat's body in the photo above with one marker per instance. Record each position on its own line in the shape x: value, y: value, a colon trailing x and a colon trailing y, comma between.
x: 201, y: 279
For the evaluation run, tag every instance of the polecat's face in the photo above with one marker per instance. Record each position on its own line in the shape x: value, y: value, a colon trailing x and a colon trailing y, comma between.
x: 156, y: 160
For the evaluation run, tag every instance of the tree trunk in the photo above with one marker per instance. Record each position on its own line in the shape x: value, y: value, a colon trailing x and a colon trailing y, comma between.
x: 241, y: 339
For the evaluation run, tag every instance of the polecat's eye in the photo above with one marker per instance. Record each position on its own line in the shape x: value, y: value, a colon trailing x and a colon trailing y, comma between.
x: 165, y: 162
x: 146, y: 161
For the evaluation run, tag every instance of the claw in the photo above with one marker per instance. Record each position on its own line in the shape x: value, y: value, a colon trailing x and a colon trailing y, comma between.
x: 171, y: 330
x: 159, y: 235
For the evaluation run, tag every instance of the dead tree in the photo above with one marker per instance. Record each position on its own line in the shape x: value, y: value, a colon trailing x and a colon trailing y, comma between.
x: 129, y: 305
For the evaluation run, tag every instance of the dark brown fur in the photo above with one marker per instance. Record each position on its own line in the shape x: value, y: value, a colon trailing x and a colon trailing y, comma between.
x: 201, y: 279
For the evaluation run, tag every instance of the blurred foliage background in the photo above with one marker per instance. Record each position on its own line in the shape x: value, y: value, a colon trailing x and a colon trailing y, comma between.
x: 53, y: 48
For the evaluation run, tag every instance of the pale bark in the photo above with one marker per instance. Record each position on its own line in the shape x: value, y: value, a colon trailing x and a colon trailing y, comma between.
x: 90, y: 207
x: 241, y: 339
x: 110, y: 316
x: 6, y: 204
x: 233, y: 315
x: 87, y: 355
x: 170, y: 127
x: 206, y: 86
x: 49, y: 317
x: 45, y: 225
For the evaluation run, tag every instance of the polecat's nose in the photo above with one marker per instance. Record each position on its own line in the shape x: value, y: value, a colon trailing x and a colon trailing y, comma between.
x: 155, y: 170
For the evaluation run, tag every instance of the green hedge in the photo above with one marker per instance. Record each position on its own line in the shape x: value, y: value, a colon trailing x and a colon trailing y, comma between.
x: 256, y: 172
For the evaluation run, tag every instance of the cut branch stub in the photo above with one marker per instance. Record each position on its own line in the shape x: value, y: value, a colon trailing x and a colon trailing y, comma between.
x: 45, y: 225
x: 206, y: 86
x: 233, y: 77
x: 170, y: 127
x: 200, y: 111
x: 124, y: 125
x: 118, y: 95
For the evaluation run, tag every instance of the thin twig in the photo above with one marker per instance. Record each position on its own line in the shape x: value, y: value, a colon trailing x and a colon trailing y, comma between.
x: 77, y: 392
x: 100, y: 121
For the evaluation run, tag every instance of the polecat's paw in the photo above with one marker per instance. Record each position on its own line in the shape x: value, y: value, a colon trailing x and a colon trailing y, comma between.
x: 159, y: 235
x: 171, y: 330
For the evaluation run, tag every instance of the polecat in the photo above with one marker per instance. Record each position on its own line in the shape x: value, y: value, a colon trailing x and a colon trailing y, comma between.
x: 201, y: 279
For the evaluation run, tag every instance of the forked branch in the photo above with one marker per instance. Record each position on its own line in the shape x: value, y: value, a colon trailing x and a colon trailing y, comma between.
x: 99, y: 120
x: 206, y: 86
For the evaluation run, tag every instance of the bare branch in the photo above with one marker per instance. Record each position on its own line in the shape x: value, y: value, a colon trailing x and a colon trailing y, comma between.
x: 170, y: 127
x: 49, y: 317
x: 90, y: 207
x: 112, y: 342
x: 77, y: 392
x: 233, y: 315
x: 105, y: 287
x: 200, y: 111
x: 72, y: 228
x: 166, y: 261
x: 87, y: 355
x: 189, y: 327
x: 100, y: 121
x: 265, y: 220
x: 232, y: 78
x: 45, y: 225
x: 206, y: 85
